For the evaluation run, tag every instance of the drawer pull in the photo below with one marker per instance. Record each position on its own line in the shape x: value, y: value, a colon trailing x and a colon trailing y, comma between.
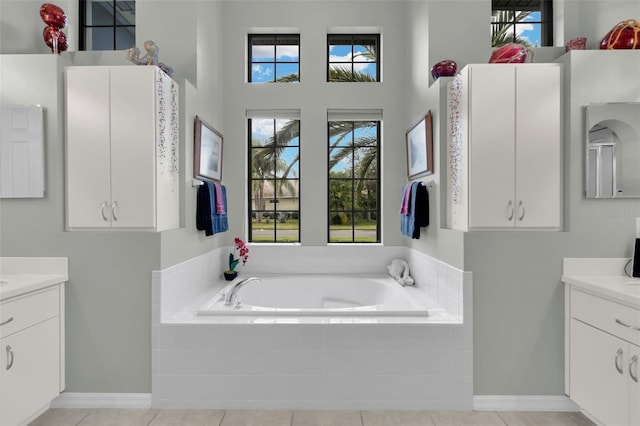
x: 627, y: 325
x: 618, y: 361
x: 510, y: 211
x: 9, y: 357
x: 633, y: 368
x: 7, y: 321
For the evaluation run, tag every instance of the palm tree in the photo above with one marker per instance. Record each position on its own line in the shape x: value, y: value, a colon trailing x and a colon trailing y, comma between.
x: 291, y: 129
x: 501, y: 33
x: 338, y: 130
x: 265, y: 167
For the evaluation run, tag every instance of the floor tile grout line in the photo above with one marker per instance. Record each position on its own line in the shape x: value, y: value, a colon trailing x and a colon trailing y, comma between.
x: 433, y: 422
x: 223, y: 416
x: 84, y: 417
x: 156, y: 412
x: 500, y: 417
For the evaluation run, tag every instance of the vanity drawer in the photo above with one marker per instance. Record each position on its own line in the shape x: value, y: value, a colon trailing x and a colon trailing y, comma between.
x: 24, y: 311
x: 620, y: 320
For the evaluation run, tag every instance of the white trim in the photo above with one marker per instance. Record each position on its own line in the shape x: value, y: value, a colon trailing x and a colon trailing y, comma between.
x: 523, y: 403
x: 102, y: 400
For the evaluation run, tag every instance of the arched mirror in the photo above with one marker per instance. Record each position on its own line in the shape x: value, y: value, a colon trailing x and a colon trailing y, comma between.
x: 613, y: 150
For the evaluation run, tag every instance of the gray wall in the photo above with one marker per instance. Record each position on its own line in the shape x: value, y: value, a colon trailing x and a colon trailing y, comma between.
x: 108, y: 295
x: 108, y: 329
x: 429, y: 24
x: 313, y: 96
x: 517, y: 294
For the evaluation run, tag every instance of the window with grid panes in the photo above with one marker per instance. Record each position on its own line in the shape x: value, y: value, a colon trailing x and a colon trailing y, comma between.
x: 274, y: 180
x: 528, y: 22
x: 107, y: 24
x: 354, y: 181
x: 274, y: 58
x: 353, y: 58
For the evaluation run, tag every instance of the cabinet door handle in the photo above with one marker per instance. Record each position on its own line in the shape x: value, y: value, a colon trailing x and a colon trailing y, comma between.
x: 521, y: 210
x: 627, y: 325
x: 102, y: 207
x: 9, y: 357
x: 113, y: 210
x: 618, y: 361
x: 633, y: 368
x: 510, y: 210
x: 7, y: 321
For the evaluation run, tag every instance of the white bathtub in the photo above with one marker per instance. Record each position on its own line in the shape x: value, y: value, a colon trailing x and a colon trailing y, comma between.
x: 320, y: 295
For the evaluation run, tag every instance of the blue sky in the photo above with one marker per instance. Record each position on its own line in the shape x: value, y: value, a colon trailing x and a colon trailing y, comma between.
x: 287, y: 57
x: 531, y: 32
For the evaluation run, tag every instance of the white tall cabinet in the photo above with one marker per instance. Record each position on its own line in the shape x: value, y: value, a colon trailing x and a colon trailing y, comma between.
x: 504, y: 147
x: 122, y: 148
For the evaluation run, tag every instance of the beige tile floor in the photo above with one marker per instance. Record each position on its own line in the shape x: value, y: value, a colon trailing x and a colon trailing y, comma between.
x: 153, y: 417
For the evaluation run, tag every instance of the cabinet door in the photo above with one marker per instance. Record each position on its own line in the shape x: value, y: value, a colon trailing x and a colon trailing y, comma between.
x: 597, y: 385
x: 29, y: 370
x: 133, y: 191
x: 491, y: 146
x: 633, y: 371
x: 538, y: 147
x: 88, y: 157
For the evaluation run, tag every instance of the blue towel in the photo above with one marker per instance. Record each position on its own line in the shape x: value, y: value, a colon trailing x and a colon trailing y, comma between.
x: 407, y: 220
x: 207, y: 219
x: 219, y: 220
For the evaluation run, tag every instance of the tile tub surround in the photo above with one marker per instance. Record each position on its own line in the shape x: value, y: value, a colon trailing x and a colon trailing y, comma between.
x: 288, y: 363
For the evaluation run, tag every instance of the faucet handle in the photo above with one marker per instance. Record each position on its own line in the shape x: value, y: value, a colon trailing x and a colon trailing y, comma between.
x: 238, y: 303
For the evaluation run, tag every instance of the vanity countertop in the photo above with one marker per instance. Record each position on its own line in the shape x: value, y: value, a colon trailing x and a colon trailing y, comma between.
x: 20, y: 275
x: 604, y: 277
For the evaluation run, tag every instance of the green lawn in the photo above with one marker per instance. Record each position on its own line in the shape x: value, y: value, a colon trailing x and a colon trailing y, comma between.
x: 292, y: 224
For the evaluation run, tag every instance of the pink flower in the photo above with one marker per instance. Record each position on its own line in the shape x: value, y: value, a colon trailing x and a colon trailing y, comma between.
x: 243, y: 253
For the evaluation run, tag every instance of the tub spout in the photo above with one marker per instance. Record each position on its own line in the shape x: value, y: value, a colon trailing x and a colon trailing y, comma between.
x: 229, y: 298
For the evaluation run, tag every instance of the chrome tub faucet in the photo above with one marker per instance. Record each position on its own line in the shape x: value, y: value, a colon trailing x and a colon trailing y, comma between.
x: 231, y: 297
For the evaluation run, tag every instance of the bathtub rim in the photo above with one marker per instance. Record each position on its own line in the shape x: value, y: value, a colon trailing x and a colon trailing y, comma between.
x: 432, y: 312
x: 191, y: 298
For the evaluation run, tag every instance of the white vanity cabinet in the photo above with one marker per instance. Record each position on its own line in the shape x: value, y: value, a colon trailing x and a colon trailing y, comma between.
x: 604, y: 367
x: 122, y: 148
x: 504, y: 147
x: 603, y: 346
x: 32, y: 353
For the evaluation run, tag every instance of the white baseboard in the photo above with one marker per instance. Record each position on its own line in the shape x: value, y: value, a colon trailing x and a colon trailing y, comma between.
x: 480, y: 402
x: 102, y: 400
x: 523, y: 403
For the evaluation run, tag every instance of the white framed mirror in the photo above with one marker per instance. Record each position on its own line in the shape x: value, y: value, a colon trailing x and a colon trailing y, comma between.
x: 612, y: 150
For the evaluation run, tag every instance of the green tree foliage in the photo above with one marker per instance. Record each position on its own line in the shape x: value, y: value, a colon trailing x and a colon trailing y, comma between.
x: 502, y: 33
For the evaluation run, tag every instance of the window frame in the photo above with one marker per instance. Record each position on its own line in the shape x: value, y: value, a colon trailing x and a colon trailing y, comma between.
x: 545, y: 7
x: 251, y: 180
x: 82, y: 8
x: 354, y: 36
x: 275, y: 62
x: 353, y: 211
